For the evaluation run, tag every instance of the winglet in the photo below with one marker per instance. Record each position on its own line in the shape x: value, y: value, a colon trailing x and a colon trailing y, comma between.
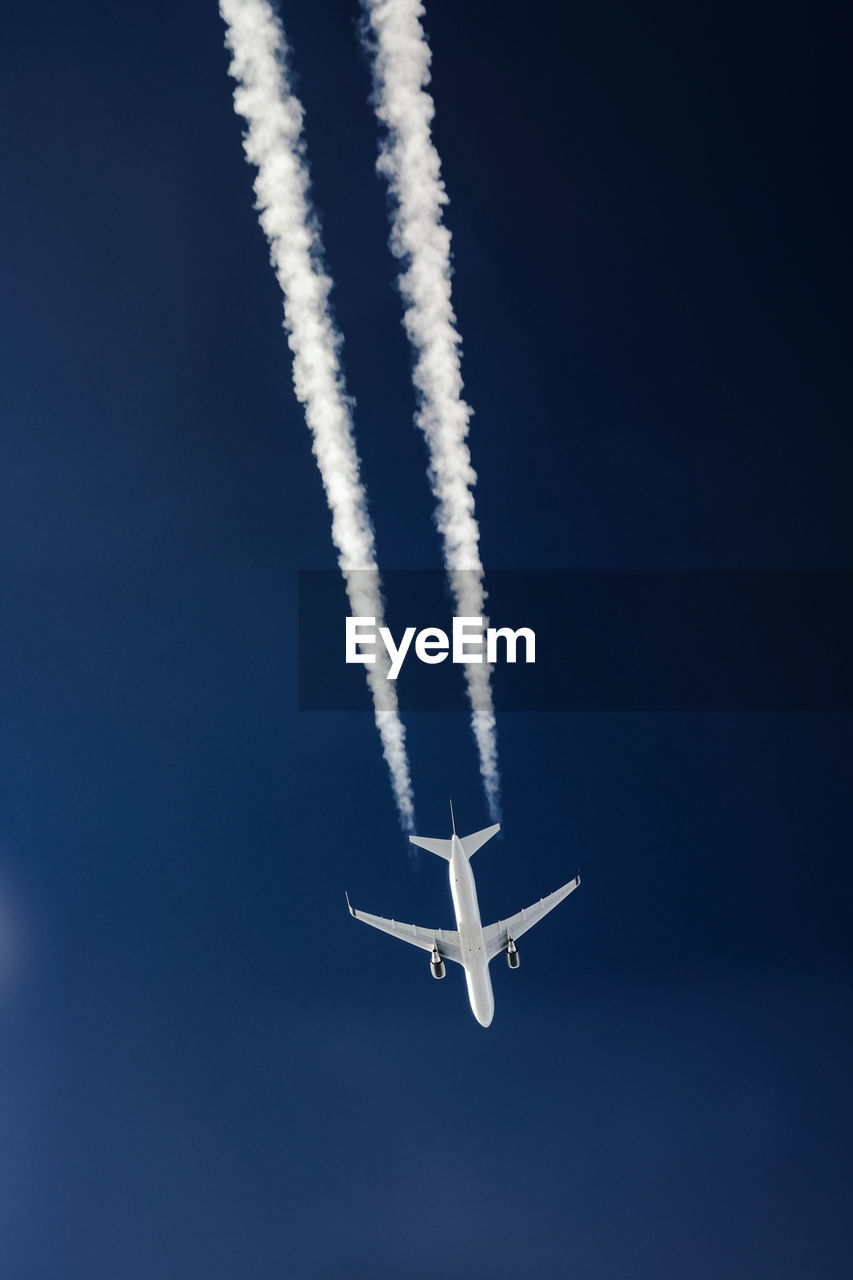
x: 349, y: 904
x: 452, y: 819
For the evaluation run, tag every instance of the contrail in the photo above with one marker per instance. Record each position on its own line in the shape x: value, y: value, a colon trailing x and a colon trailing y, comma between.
x: 410, y: 163
x: 273, y: 143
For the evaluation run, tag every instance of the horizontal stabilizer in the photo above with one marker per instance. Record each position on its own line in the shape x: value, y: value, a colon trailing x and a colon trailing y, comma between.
x: 472, y: 843
x: 441, y: 847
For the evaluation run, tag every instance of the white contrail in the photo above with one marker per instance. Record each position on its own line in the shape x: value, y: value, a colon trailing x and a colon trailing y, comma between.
x: 410, y: 163
x: 273, y: 144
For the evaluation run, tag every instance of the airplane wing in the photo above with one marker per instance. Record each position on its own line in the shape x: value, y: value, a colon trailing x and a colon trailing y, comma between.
x: 497, y: 935
x: 445, y: 940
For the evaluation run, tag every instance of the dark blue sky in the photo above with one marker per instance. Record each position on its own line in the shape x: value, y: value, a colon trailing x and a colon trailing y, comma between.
x: 207, y: 1069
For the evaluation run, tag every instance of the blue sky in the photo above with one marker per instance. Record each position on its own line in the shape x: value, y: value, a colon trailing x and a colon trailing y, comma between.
x: 207, y: 1068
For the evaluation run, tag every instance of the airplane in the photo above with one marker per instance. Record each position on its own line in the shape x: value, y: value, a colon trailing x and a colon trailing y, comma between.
x: 470, y: 945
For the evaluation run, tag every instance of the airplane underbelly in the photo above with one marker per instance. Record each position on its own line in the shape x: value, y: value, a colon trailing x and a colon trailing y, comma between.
x: 479, y: 983
x: 480, y: 993
x: 472, y: 943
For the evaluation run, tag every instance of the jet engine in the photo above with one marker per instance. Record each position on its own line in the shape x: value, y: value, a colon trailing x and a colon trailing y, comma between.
x: 512, y: 954
x: 436, y: 964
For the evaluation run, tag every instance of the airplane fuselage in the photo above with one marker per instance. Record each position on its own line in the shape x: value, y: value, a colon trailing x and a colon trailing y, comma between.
x: 474, y: 959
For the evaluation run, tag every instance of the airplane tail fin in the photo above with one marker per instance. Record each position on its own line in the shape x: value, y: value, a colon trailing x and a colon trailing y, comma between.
x: 470, y: 844
x: 443, y: 848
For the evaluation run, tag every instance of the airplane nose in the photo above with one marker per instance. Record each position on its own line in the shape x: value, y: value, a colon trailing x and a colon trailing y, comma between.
x: 484, y: 1008
x: 480, y: 996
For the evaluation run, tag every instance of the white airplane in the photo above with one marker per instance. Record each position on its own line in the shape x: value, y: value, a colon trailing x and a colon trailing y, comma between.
x: 472, y: 946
